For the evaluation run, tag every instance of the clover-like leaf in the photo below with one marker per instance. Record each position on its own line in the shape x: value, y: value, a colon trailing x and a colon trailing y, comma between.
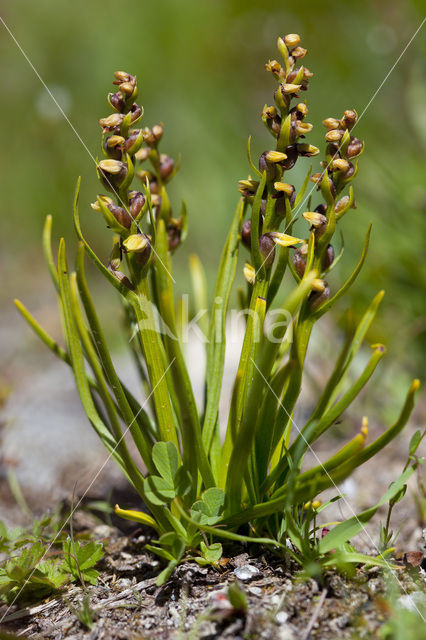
x: 214, y: 499
x: 166, y: 459
x: 210, y: 554
x: 158, y: 490
x: 210, y: 506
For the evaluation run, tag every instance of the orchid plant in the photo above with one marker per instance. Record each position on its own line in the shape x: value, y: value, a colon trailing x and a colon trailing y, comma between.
x: 198, y: 487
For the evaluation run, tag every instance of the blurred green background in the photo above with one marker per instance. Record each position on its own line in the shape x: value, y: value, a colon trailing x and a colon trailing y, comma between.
x: 200, y: 65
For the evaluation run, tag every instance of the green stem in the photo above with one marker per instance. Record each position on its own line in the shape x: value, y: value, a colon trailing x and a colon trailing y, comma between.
x: 152, y: 347
x: 194, y: 455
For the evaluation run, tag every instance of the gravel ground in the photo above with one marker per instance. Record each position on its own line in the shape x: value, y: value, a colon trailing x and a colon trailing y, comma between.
x: 194, y: 603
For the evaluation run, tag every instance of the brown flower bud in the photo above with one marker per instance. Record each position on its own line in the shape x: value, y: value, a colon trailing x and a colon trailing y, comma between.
x: 316, y: 178
x: 267, y: 249
x: 275, y: 68
x: 291, y: 76
x: 331, y: 123
x: 307, y: 150
x: 144, y: 174
x: 283, y: 239
x: 127, y: 88
x: 283, y: 190
x: 354, y: 148
x: 148, y: 137
x: 317, y: 298
x: 343, y: 203
x: 135, y: 111
x: 246, y: 234
x: 157, y: 131
x: 153, y: 187
x: 284, y: 187
x: 247, y: 187
x: 139, y: 244
x: 106, y: 200
x: 299, y: 262
x: 142, y: 154
x: 289, y: 88
x: 272, y: 120
x: 130, y: 141
x: 301, y: 128
x: 174, y: 233
x: 302, y: 109
x: 269, y: 167
x: 116, y: 101
x: 340, y: 164
x: 334, y: 135
x: 328, y: 258
x: 350, y: 172
x: 114, y: 140
x: 299, y: 52
x: 121, y: 277
x: 112, y: 146
x: 156, y: 200
x: 274, y: 156
x: 269, y: 112
x: 349, y: 119
x: 166, y: 166
x: 112, y: 173
x: 143, y: 257
x: 315, y: 218
x: 111, y: 122
x: 136, y: 202
x: 292, y: 155
x: 122, y: 76
x: 292, y: 39
x: 121, y: 215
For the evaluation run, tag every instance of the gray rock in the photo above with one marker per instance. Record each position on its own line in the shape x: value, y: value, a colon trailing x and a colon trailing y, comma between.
x: 246, y: 572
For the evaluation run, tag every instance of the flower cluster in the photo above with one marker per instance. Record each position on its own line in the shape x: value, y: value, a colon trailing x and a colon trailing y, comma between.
x: 279, y: 202
x: 125, y: 149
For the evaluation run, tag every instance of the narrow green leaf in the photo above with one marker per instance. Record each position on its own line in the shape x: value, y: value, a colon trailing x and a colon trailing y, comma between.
x: 255, y: 217
x: 251, y: 163
x: 332, y: 301
x: 346, y: 530
x: 301, y: 193
x: 217, y: 339
x: 349, y: 351
x: 47, y: 249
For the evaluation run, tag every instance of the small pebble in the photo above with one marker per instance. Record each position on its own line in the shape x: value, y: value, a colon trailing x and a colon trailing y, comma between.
x: 374, y: 586
x: 102, y: 531
x: 246, y: 572
x: 286, y: 633
x: 281, y: 617
x: 255, y: 591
